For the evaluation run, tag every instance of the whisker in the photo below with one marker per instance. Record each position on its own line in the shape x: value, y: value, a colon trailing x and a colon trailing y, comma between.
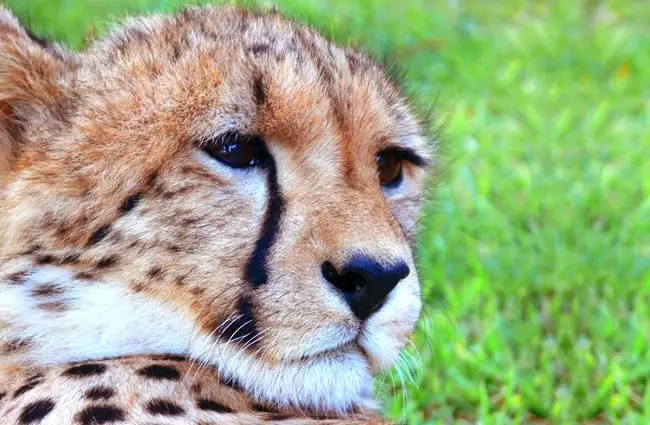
x: 402, y: 386
x: 208, y: 340
x: 252, y: 342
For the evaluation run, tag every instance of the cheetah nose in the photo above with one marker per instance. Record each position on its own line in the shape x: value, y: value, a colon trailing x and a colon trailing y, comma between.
x: 364, y: 283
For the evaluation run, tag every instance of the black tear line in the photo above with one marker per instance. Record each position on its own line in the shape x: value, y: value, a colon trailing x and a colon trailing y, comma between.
x: 256, y: 272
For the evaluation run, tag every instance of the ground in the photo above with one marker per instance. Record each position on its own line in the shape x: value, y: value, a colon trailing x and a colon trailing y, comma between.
x: 535, y: 250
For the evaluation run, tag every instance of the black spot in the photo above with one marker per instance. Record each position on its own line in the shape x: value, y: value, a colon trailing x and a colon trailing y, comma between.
x: 232, y: 383
x: 279, y: 417
x: 34, y: 378
x: 164, y: 407
x: 99, y: 393
x: 152, y: 178
x: 186, y: 222
x: 47, y: 290
x: 169, y: 194
x: 130, y: 203
x: 354, y: 62
x: 256, y: 272
x: 154, y: 272
x: 259, y: 90
x: 100, y: 414
x: 173, y: 248
x: 30, y: 385
x: 99, y: 235
x: 88, y: 369
x: 176, y: 52
x: 173, y: 358
x: 17, y: 278
x: 243, y: 329
x: 159, y: 188
x: 36, y: 411
x: 44, y: 259
x: 158, y: 371
x: 213, y: 406
x: 138, y: 287
x: 2, y: 395
x: 85, y: 276
x: 70, y: 258
x: 259, y: 48
x: 264, y: 409
x: 106, y: 262
x: 53, y: 306
x: 325, y: 71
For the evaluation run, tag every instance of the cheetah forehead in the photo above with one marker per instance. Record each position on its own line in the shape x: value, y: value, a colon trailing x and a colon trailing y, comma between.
x: 261, y: 56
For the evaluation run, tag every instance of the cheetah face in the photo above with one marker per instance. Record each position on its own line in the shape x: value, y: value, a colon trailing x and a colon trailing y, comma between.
x: 217, y: 184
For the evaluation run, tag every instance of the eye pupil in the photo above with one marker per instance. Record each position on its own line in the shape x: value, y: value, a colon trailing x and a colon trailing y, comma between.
x: 237, y: 150
x: 389, y: 166
x: 237, y: 153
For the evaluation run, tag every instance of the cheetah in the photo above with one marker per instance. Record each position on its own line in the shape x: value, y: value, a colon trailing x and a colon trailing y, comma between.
x: 205, y: 218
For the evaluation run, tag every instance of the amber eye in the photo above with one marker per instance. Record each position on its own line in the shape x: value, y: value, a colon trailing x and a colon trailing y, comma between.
x: 237, y: 150
x: 389, y: 165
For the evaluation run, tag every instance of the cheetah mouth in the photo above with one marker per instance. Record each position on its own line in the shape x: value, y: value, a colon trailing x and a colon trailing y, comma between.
x: 330, y: 352
x: 353, y: 345
x: 378, y: 347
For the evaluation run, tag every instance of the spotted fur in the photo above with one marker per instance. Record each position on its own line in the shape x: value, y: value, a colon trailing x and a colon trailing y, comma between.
x: 121, y: 240
x: 116, y: 391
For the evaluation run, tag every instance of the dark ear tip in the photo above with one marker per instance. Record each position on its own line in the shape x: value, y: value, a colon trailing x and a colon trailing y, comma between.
x: 10, y: 25
x: 36, y: 39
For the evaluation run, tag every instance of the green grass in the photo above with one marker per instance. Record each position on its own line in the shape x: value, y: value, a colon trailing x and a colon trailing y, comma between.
x: 535, y: 253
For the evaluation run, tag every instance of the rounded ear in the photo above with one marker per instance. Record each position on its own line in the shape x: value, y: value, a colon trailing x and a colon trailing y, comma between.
x: 32, y: 83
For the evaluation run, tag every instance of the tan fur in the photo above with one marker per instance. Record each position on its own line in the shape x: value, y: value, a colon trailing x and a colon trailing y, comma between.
x: 82, y: 133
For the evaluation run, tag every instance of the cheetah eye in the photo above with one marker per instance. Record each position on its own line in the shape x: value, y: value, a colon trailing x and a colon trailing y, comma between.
x: 389, y: 164
x: 237, y: 150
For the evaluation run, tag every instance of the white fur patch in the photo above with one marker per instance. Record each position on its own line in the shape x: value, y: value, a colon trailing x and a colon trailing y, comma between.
x: 103, y: 319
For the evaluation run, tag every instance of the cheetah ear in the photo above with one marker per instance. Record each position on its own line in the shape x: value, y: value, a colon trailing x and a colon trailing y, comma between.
x: 31, y: 85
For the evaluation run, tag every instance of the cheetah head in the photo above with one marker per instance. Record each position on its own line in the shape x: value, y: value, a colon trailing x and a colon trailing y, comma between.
x: 219, y: 184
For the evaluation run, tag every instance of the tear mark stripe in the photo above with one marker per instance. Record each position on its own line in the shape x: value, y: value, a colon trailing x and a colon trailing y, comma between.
x: 256, y: 270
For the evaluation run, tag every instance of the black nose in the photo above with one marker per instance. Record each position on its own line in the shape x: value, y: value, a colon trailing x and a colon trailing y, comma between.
x: 365, y: 283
